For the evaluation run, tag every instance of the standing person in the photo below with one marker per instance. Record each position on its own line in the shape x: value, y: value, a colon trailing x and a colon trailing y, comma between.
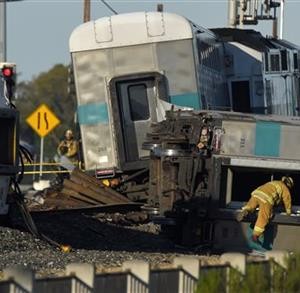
x: 266, y: 197
x: 68, y: 147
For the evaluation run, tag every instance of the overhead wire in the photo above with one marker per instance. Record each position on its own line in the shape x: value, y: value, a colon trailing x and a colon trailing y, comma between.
x: 109, y: 7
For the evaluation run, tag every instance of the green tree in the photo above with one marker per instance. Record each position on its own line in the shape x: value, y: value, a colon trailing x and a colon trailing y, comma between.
x: 50, y: 88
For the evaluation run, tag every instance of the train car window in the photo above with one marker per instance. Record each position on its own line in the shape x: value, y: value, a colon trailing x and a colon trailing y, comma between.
x: 138, y: 102
x: 269, y: 95
x: 244, y: 182
x: 295, y: 57
x: 275, y: 64
x: 284, y: 65
x: 266, y: 62
x: 162, y: 86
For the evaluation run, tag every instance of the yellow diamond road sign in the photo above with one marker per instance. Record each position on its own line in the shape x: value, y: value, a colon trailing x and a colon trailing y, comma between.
x: 42, y: 120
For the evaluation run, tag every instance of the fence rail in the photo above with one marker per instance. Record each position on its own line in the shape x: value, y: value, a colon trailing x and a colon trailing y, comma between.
x: 187, y: 275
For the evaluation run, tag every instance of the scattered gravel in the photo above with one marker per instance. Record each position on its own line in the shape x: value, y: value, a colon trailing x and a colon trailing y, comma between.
x: 93, y: 240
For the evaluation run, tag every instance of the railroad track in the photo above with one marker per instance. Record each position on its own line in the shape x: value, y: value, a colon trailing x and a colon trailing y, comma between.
x: 110, y: 208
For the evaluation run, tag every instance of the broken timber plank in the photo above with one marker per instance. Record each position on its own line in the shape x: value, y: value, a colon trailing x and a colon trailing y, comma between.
x: 87, y: 192
x: 99, y: 190
x: 97, y: 186
x: 78, y: 196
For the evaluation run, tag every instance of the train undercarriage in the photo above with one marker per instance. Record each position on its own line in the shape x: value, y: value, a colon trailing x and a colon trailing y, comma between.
x: 203, y: 167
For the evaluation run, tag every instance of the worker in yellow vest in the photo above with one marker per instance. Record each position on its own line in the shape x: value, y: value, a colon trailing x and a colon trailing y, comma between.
x: 265, y: 197
x: 69, y: 147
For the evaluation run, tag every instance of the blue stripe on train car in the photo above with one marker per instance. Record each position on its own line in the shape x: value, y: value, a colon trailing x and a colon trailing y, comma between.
x: 93, y: 113
x: 187, y: 100
x: 267, y: 139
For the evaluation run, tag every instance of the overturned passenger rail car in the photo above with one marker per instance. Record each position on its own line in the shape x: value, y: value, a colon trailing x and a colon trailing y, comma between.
x: 130, y: 68
x: 204, y: 165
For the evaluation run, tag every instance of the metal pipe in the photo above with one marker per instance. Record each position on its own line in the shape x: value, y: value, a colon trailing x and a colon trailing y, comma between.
x: 232, y: 7
x: 242, y: 12
x: 274, y: 29
x: 281, y: 19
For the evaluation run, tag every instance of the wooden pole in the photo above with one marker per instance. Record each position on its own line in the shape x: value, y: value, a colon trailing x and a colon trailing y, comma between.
x: 86, y: 10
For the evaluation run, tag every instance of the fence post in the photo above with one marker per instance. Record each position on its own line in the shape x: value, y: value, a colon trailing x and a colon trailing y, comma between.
x: 279, y: 256
x: 189, y: 264
x: 235, y: 260
x: 22, y: 276
x: 83, y: 271
x: 140, y: 269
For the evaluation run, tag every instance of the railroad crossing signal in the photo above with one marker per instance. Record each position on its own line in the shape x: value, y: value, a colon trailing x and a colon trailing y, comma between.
x: 42, y: 120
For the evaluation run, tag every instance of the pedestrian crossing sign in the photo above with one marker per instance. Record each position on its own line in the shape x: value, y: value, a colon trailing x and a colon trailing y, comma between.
x: 42, y: 120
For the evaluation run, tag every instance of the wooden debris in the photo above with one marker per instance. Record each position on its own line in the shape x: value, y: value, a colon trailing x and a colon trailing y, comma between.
x: 78, y: 196
x: 88, y: 189
x: 97, y: 186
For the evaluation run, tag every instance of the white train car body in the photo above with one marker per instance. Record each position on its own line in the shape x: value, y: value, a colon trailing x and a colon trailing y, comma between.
x: 128, y: 70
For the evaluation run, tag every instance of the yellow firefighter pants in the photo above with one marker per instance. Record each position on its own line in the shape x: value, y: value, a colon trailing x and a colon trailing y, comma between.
x: 264, y: 215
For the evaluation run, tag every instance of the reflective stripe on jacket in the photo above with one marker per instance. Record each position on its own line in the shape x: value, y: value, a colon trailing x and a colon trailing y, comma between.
x: 274, y: 193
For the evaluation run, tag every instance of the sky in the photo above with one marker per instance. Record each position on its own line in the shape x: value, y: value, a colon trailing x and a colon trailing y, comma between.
x: 38, y: 30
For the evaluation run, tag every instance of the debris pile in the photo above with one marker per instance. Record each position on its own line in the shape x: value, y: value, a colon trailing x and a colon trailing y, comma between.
x: 79, y: 190
x: 88, y: 189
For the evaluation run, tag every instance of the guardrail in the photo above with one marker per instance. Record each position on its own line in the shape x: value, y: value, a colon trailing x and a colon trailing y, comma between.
x: 187, y: 275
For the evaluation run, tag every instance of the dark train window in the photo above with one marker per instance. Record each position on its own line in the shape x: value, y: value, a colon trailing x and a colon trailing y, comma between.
x: 245, y: 181
x: 266, y: 62
x: 138, y: 102
x: 275, y: 65
x: 295, y: 56
x: 284, y: 65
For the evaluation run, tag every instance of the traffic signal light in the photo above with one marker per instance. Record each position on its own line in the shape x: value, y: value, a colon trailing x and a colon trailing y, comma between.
x: 8, y: 76
x: 7, y: 72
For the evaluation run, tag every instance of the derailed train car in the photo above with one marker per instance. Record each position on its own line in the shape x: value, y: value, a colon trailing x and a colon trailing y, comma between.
x: 130, y: 68
x: 204, y: 166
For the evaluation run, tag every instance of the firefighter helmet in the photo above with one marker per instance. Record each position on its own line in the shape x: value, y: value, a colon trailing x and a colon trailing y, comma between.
x: 69, y: 134
x: 288, y: 181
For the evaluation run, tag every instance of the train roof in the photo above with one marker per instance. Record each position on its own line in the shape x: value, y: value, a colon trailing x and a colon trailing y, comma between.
x: 252, y: 39
x: 286, y: 44
x: 249, y: 38
x: 130, y: 29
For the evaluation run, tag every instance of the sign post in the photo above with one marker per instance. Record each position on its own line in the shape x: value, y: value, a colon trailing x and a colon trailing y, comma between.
x: 41, y: 157
x: 42, y: 121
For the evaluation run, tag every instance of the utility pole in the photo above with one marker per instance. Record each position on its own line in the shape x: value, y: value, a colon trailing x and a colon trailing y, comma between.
x: 160, y: 7
x: 2, y: 31
x: 86, y: 10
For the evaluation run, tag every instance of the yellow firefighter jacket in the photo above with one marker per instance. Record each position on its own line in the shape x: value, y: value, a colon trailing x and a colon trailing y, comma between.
x: 274, y: 192
x: 68, y: 148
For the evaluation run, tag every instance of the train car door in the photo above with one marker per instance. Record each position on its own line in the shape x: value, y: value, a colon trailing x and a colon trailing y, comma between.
x: 137, y: 104
x: 240, y: 93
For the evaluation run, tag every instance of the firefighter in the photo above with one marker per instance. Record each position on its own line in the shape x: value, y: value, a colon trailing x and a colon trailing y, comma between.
x: 68, y: 147
x: 265, y: 197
